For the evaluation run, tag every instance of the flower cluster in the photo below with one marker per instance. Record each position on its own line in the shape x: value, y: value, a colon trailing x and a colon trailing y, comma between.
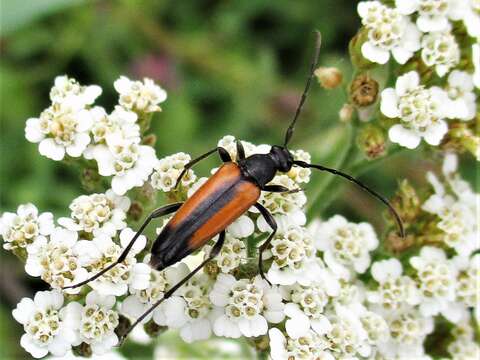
x: 74, y: 126
x: 434, y: 91
x: 334, y: 289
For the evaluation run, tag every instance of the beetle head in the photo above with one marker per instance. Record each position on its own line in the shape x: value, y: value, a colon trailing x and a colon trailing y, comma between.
x: 282, y: 157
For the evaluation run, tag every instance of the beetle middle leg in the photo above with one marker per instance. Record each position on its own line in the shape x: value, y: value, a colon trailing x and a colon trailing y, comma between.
x: 164, y: 210
x: 224, y: 155
x: 280, y: 189
x: 273, y: 224
x: 214, y: 252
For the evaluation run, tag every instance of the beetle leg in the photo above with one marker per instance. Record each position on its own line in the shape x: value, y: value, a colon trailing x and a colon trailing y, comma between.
x: 280, y: 189
x: 164, y: 210
x: 273, y: 224
x: 214, y: 252
x: 240, y: 150
x: 224, y: 155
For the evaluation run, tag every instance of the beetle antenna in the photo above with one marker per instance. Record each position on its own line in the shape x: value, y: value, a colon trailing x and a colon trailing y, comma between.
x: 290, y: 129
x: 364, y: 187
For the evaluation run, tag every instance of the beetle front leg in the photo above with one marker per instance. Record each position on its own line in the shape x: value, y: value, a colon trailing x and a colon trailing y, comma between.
x: 213, y: 253
x: 164, y: 210
x: 224, y: 155
x: 273, y: 224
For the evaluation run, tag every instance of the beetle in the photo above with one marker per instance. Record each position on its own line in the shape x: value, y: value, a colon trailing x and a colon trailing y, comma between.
x: 226, y: 195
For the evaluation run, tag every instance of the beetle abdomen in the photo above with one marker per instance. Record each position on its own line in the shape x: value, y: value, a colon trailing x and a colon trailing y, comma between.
x: 215, y: 205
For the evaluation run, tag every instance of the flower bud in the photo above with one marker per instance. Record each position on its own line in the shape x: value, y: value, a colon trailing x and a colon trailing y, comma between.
x: 363, y: 90
x: 329, y: 77
x: 83, y: 350
x: 396, y: 244
x: 346, y: 112
x: 153, y: 329
x: 122, y: 327
x: 149, y: 140
x: 135, y: 211
x: 371, y: 140
x: 90, y: 179
x: 406, y: 202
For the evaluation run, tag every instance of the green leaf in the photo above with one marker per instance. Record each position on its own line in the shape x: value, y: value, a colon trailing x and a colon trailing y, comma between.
x: 16, y: 14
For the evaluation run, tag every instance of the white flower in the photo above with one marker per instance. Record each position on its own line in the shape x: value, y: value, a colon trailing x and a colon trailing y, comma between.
x: 471, y: 17
x: 120, y: 122
x: 66, y: 87
x: 420, y: 110
x: 245, y: 306
x: 347, y: 335
x: 100, y: 252
x: 98, y: 213
x: 305, y: 309
x: 189, y: 310
x: 229, y: 143
x: 96, y: 322
x: 436, y: 281
x: 466, y: 285
x: 441, y: 51
x: 408, y: 330
x: 54, y: 261
x: 129, y: 162
x: 433, y: 15
x: 388, y: 31
x: 309, y: 346
x: 394, y: 290
x: 464, y: 346
x: 160, y: 281
x: 345, y: 245
x: 140, y: 96
x: 293, y: 257
x: 167, y: 171
x: 22, y: 229
x: 456, y: 209
x: 375, y: 326
x: 459, y: 89
x: 298, y: 174
x: 48, y: 327
x: 232, y: 254
x: 62, y: 128
x: 290, y: 204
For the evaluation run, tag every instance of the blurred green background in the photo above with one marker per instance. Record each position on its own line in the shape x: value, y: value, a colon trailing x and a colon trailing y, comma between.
x: 230, y: 67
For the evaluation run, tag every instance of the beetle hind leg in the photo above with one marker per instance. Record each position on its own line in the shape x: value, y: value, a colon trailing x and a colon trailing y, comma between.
x: 213, y: 253
x: 273, y: 224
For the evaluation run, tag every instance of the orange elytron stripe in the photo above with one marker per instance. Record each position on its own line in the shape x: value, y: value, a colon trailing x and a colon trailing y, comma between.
x: 245, y: 195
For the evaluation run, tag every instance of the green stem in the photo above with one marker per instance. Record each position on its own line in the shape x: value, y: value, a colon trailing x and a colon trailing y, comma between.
x: 316, y: 200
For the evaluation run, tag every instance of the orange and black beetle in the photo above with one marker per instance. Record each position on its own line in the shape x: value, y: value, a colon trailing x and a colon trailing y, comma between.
x: 229, y: 193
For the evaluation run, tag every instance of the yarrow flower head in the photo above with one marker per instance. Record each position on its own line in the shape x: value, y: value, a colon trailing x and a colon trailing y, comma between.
x: 232, y: 254
x: 459, y: 89
x: 100, y: 252
x: 408, y: 330
x: 168, y: 169
x: 245, y: 306
x: 441, y: 51
x: 48, y: 327
x: 345, y: 245
x: 421, y: 111
x: 455, y: 206
x: 21, y: 229
x: 309, y: 346
x: 142, y: 97
x: 388, y: 32
x: 189, y: 310
x: 395, y: 291
x: 433, y: 15
x: 96, y: 321
x: 435, y: 276
x: 98, y: 213
x: 65, y: 87
x: 54, y: 260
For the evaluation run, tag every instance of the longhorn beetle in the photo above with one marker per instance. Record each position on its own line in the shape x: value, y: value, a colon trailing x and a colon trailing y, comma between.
x: 227, y: 194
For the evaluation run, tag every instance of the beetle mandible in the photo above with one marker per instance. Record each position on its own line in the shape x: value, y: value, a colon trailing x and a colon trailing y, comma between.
x: 227, y: 194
